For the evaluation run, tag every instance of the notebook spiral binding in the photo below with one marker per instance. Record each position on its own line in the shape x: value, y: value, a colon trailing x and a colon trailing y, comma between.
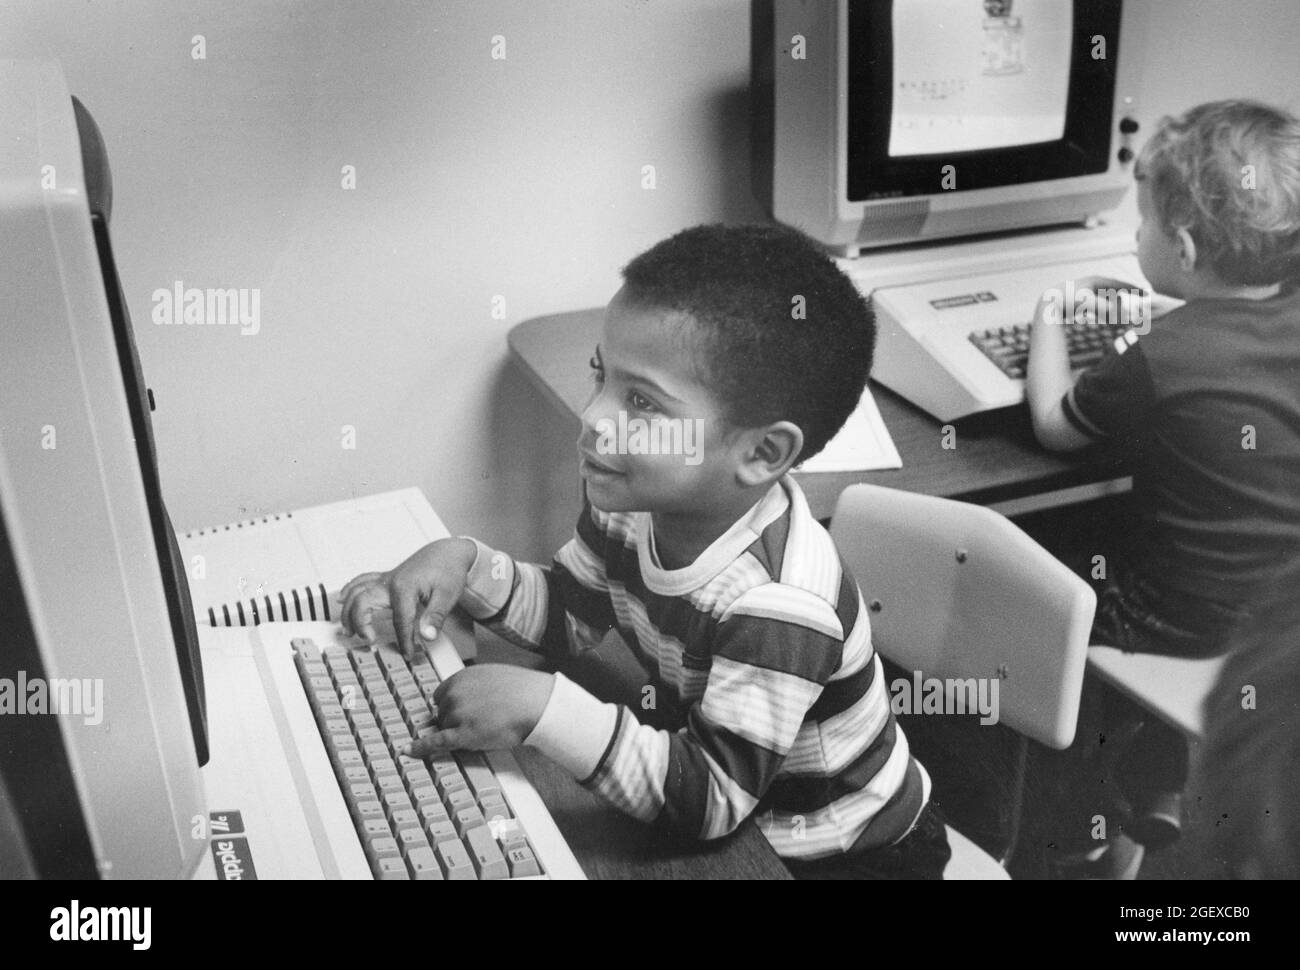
x: 311, y: 603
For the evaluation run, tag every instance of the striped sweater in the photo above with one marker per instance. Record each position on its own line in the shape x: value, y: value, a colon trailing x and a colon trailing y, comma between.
x: 760, y: 657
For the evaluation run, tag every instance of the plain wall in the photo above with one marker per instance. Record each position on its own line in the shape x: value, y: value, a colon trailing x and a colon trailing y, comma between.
x: 475, y: 178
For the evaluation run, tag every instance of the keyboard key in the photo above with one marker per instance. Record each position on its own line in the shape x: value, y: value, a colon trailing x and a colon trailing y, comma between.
x: 423, y: 793
x: 337, y: 660
x: 348, y: 757
x: 433, y: 811
x: 389, y: 869
x: 455, y: 861
x: 397, y: 798
x: 450, y: 782
x: 395, y: 733
x: 412, y: 837
x: 404, y: 818
x: 522, y: 862
x: 439, y: 832
x: 422, y: 863
x: 361, y: 791
x: 479, y: 775
x: 487, y: 857
x: 305, y: 648
x: 458, y: 799
x: 494, y: 807
x: 370, y: 808
x: 387, y: 783
x: 468, y: 819
x: 416, y: 774
x: 375, y: 828
x: 382, y: 847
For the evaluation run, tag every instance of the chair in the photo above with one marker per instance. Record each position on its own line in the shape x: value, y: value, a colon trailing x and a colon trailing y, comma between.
x: 1172, y: 688
x: 957, y: 591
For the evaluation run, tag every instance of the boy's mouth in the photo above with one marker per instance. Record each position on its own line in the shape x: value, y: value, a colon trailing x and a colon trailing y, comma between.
x: 591, y: 467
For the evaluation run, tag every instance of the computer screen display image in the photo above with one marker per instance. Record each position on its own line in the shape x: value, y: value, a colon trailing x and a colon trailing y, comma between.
x: 102, y: 725
x: 888, y: 122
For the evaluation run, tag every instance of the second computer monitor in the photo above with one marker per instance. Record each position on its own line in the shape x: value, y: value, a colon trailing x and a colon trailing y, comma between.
x: 886, y: 122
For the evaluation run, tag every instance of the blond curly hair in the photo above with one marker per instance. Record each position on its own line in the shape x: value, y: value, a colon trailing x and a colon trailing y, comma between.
x: 1229, y: 173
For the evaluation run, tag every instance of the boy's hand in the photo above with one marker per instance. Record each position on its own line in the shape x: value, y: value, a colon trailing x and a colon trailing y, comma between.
x: 425, y: 588
x: 485, y: 708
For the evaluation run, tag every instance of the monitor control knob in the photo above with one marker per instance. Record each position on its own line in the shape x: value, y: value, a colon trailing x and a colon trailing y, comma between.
x: 1125, y: 155
x: 1128, y: 126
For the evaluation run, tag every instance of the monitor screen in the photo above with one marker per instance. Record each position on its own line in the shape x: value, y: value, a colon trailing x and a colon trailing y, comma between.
x: 1007, y: 92
x: 966, y: 80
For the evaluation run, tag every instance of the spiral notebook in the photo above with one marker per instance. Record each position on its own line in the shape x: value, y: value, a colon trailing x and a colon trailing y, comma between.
x: 290, y: 566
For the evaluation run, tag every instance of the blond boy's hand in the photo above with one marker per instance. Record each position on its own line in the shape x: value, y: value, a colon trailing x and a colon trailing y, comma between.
x: 420, y: 592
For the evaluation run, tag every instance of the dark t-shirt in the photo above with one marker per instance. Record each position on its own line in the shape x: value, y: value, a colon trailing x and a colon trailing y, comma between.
x: 1208, y: 406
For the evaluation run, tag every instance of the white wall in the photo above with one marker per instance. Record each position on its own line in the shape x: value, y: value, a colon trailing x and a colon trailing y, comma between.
x: 475, y: 177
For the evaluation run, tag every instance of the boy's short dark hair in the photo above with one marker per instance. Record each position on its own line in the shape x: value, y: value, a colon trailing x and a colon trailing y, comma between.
x: 1229, y: 173
x: 782, y: 333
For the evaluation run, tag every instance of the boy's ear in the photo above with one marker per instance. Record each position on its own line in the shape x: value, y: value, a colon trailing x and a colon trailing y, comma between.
x: 1186, y: 250
x: 773, y: 454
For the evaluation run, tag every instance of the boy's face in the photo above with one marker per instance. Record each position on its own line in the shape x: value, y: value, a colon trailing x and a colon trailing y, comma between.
x: 1158, y: 251
x: 653, y: 437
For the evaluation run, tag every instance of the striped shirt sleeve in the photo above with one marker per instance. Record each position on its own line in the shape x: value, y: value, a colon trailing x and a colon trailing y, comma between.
x: 774, y: 651
x: 559, y: 611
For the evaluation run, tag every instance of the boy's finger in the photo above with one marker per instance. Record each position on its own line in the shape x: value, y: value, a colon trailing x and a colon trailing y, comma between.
x: 434, y: 614
x: 367, y: 630
x: 404, y: 604
x: 355, y: 613
x: 447, y: 739
x: 355, y: 581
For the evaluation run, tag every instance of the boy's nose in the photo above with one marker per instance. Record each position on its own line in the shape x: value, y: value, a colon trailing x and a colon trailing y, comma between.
x: 598, y: 407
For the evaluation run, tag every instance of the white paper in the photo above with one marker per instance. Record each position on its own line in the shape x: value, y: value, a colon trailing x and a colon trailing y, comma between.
x: 862, y: 445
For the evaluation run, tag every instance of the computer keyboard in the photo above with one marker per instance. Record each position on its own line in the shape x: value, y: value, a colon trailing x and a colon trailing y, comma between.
x: 1008, y: 347
x: 446, y: 817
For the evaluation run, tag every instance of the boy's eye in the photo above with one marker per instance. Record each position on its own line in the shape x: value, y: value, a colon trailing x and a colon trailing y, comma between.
x: 640, y: 402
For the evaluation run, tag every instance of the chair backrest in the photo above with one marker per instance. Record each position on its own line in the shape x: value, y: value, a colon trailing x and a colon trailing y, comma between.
x: 956, y: 591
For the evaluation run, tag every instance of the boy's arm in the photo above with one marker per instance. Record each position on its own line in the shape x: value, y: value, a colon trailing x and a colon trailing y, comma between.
x: 1049, y: 380
x: 706, y: 778
x: 557, y: 611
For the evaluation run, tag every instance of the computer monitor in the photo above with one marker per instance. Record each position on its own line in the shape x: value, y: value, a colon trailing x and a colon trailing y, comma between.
x: 102, y: 725
x: 889, y: 122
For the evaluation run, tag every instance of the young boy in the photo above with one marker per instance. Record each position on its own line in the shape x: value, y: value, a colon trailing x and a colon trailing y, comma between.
x: 747, y: 348
x: 1207, y: 404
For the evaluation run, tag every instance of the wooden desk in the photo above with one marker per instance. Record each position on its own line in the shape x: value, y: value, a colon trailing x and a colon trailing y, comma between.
x: 610, y: 845
x: 996, y: 460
